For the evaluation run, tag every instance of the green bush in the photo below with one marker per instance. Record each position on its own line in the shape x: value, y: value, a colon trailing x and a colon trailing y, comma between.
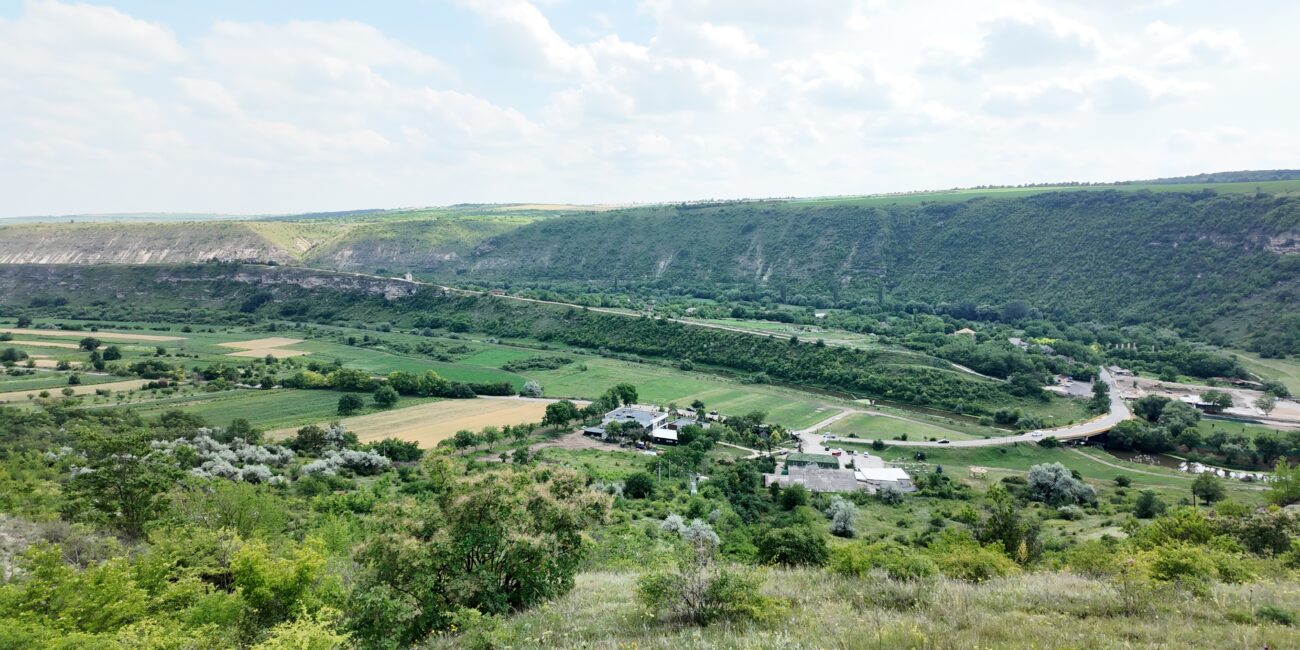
x: 793, y: 546
x: 895, y: 560
x: 958, y: 556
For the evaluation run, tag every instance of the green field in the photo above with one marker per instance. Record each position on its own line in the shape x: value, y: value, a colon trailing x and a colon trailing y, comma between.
x: 659, y: 385
x: 953, y: 196
x: 872, y: 427
x: 1286, y: 371
x: 43, y: 380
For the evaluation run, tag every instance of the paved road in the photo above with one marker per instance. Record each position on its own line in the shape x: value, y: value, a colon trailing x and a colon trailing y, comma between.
x: 1119, y: 411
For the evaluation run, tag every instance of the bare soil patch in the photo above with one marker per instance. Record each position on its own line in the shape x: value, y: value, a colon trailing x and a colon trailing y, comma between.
x: 428, y: 424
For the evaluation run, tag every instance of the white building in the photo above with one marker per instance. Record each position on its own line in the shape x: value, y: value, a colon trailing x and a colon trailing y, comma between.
x: 878, y: 477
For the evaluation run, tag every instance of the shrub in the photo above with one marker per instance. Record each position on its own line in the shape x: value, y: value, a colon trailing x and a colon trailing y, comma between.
x: 349, y: 404
x: 842, y: 514
x: 700, y: 590
x: 639, y: 486
x: 794, y: 496
x: 1274, y: 614
x: 1148, y: 505
x: 1053, y: 484
x: 531, y: 389
x: 1123, y: 481
x: 961, y: 557
x: 895, y: 560
x: 792, y: 546
x: 385, y: 397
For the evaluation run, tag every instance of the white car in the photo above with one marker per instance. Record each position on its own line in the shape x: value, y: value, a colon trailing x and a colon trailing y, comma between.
x: 1035, y: 434
x: 829, y: 436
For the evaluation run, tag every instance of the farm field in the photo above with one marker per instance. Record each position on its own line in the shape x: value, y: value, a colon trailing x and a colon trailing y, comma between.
x: 871, y: 427
x: 429, y: 423
x: 275, y: 346
x: 81, y: 389
x: 101, y: 335
x: 658, y: 385
x: 266, y: 409
x: 49, y: 380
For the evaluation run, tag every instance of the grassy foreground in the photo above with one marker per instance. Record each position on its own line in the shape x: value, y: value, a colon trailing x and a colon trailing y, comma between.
x: 1038, y: 610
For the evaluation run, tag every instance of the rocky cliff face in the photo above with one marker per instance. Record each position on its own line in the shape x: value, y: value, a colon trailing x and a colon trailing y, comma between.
x: 146, y: 243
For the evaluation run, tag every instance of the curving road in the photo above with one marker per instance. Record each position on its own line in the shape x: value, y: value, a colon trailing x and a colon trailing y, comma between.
x: 1119, y: 412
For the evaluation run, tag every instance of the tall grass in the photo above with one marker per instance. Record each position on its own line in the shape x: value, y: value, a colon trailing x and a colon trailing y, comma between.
x: 1035, y: 610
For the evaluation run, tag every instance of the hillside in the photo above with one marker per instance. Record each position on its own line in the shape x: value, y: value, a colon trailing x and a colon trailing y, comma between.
x: 1212, y: 263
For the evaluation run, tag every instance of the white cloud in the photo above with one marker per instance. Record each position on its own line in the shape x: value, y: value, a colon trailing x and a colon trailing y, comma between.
x: 1111, y: 90
x: 1179, y: 47
x: 101, y: 111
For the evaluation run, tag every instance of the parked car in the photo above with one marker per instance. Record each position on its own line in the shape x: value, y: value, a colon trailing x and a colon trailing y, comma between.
x: 829, y: 436
x: 837, y: 452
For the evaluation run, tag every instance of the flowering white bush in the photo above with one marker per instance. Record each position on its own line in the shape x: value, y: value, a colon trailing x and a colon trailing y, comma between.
x: 236, y: 461
x: 364, y: 463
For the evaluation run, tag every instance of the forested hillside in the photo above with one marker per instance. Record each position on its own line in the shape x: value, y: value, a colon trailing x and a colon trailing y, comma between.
x: 1200, y: 261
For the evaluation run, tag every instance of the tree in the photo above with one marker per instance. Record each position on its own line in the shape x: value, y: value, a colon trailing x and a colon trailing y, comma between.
x: 385, y: 397
x: 464, y: 439
x: 531, y: 389
x: 490, y: 435
x: 1100, y: 402
x: 309, y: 440
x: 1217, y: 400
x: 842, y: 514
x: 1148, y: 506
x: 1004, y: 526
x: 1149, y: 407
x: 560, y: 413
x: 122, y: 481
x: 495, y: 544
x: 1266, y: 402
x: 89, y: 343
x: 639, y: 486
x: 793, y: 496
x: 1177, y: 417
x: 1054, y: 485
x: 1208, y: 488
x: 112, y: 353
x: 350, y: 403
x: 24, y: 321
x: 792, y: 546
x: 1284, y: 488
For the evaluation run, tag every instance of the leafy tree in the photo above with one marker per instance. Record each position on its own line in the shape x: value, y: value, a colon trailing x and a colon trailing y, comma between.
x: 464, y: 439
x: 792, y: 546
x: 309, y: 440
x: 24, y: 322
x: 793, y: 496
x: 1148, y: 505
x: 1054, y: 485
x: 350, y: 403
x: 560, y: 413
x: 497, y: 544
x: 385, y: 397
x: 241, y: 429
x: 639, y: 486
x: 122, y: 482
x: 1208, y: 488
x: 1284, y: 486
x: 1003, y: 525
x: 1266, y: 403
x: 842, y: 514
x: 1217, y: 400
x: 1149, y: 407
x: 1100, y: 402
x: 1177, y: 417
x: 531, y: 389
x: 89, y: 343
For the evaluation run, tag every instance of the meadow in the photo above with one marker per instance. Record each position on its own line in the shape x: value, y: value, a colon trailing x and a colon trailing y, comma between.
x: 1286, y: 371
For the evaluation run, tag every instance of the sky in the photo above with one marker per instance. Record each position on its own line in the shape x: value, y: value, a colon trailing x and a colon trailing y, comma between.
x: 253, y: 107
